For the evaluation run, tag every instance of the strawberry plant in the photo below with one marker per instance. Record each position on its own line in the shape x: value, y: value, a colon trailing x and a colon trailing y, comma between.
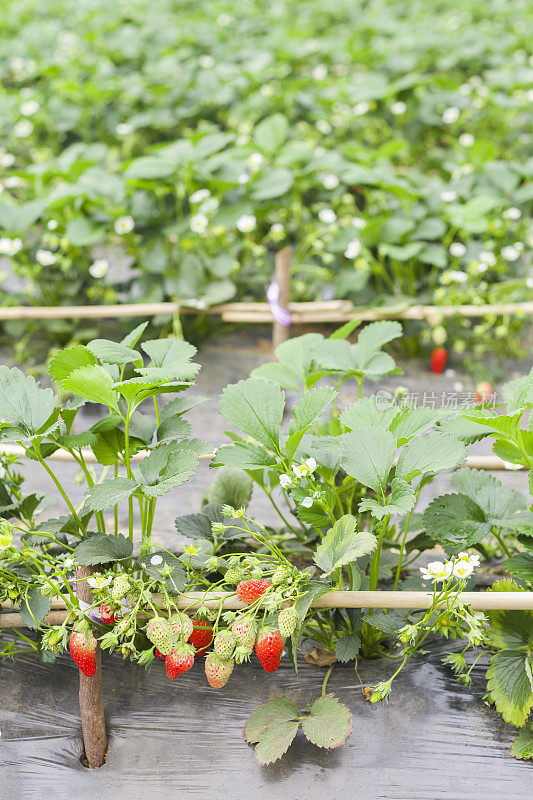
x: 344, y: 480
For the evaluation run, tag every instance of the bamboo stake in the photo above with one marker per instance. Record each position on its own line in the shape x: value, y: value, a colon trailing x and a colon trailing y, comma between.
x: 91, y: 697
x: 280, y: 333
x: 478, y: 601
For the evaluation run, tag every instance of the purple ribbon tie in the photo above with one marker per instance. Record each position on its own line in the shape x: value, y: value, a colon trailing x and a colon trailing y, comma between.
x: 281, y: 315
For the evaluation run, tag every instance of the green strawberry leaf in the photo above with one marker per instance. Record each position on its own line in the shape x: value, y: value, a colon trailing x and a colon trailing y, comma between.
x: 66, y: 361
x: 102, y: 548
x: 342, y: 545
x: 34, y: 608
x: 23, y: 401
x: 455, y: 521
x: 93, y: 383
x: 232, y: 487
x: 400, y: 501
x: 510, y: 685
x: 347, y: 647
x: 329, y: 722
x: 275, y: 741
x: 282, y: 709
x: 522, y: 746
x: 109, y: 493
x: 433, y: 452
x: 113, y: 352
x: 255, y: 406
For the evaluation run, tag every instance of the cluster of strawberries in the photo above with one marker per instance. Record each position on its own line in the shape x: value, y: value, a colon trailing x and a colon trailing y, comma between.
x: 179, y: 639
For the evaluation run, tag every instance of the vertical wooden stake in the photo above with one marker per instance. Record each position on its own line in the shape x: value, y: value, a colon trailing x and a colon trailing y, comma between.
x: 283, y: 278
x: 91, y: 697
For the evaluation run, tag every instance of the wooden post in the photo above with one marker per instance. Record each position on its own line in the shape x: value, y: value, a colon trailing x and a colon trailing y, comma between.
x: 283, y: 278
x: 91, y: 697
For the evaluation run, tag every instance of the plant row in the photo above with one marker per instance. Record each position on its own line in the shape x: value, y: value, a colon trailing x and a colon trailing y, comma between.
x: 344, y: 484
x: 145, y: 155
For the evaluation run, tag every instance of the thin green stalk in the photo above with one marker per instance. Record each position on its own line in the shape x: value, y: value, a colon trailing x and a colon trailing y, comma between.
x: 326, y: 679
x: 402, y: 550
x: 374, y: 567
x: 59, y: 488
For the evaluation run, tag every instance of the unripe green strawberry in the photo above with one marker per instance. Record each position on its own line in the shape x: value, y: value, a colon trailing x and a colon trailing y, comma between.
x: 123, y: 625
x: 182, y: 627
x: 159, y: 632
x: 224, y: 644
x: 121, y: 587
x: 280, y: 575
x: 234, y: 575
x: 187, y: 627
x: 217, y: 670
x: 245, y: 631
x: 287, y: 621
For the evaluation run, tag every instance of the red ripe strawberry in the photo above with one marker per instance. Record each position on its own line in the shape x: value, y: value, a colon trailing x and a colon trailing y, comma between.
x: 202, y: 636
x: 268, y: 648
x: 484, y: 392
x: 217, y: 670
x: 248, y: 591
x: 439, y: 357
x: 108, y: 618
x: 179, y: 661
x: 82, y: 649
x: 159, y: 655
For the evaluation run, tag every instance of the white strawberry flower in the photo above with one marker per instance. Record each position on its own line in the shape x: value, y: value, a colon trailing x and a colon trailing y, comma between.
x: 23, y: 129
x: 198, y: 223
x: 285, y: 481
x: 457, y: 249
x: 466, y: 140
x: 472, y: 558
x: 255, y: 160
x: 398, y: 108
x: 448, y: 196
x: 7, y: 159
x: 29, y: 108
x: 98, y: 581
x: 487, y: 257
x: 320, y: 72
x: 199, y: 196
x: 327, y: 216
x: 510, y: 253
x: 462, y: 569
x: 359, y: 223
x: 45, y: 257
x: 512, y: 213
x: 437, y: 571
x: 330, y: 181
x: 353, y: 249
x: 124, y: 129
x: 99, y: 267
x: 156, y: 560
x: 361, y: 108
x: 323, y: 126
x: 206, y: 61
x: 124, y: 225
x: 458, y: 276
x: 450, y: 115
x: 10, y: 247
x: 246, y: 223
x: 51, y: 224
x: 307, y: 502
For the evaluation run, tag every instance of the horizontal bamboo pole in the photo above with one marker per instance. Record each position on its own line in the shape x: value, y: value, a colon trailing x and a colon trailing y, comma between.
x: 492, y: 463
x: 334, y: 311
x: 161, y: 309
x: 478, y: 601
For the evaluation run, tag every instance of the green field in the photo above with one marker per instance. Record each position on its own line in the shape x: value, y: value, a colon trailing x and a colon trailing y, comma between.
x: 167, y: 150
